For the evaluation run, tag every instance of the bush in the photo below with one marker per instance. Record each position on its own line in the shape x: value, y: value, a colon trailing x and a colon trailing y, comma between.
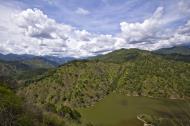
x: 67, y: 112
x: 50, y: 107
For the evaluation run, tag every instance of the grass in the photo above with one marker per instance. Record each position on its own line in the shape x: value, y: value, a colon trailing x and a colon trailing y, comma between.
x: 122, y: 110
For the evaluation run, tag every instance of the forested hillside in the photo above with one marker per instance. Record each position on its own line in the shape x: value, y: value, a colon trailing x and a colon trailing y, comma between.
x: 132, y: 72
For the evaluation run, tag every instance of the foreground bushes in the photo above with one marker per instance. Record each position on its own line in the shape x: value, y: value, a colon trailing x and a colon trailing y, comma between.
x: 14, y: 112
x: 63, y: 111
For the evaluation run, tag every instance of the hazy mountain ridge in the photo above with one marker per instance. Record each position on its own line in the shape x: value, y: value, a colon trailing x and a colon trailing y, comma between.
x: 25, y: 57
x: 12, y: 72
x: 180, y: 50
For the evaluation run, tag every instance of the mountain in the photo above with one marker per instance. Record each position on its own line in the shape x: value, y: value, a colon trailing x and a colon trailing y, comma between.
x: 15, y: 57
x: 180, y: 50
x: 59, y: 60
x: 122, y: 55
x: 39, y: 62
x: 51, y: 59
x: 131, y: 72
x: 18, y: 70
x: 180, y: 53
x: 14, y: 72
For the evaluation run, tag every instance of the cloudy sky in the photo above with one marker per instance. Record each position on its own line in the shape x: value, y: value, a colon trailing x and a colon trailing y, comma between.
x: 83, y: 28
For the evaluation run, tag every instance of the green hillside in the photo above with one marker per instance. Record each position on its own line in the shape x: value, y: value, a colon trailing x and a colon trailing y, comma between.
x: 121, y: 56
x: 132, y: 72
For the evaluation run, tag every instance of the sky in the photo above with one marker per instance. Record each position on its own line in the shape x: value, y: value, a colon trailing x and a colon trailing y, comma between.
x: 82, y: 28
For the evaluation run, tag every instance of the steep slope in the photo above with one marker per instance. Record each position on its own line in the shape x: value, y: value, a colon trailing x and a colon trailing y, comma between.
x: 79, y: 83
x: 132, y: 72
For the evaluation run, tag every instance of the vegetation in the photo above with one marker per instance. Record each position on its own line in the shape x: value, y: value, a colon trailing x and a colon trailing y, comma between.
x: 15, y: 74
x: 132, y: 72
x: 61, y: 96
x: 40, y: 63
x: 12, y: 111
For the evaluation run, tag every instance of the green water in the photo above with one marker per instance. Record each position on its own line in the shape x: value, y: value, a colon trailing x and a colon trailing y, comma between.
x: 121, y: 110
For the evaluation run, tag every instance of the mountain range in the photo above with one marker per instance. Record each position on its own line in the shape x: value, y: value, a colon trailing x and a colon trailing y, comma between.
x: 181, y: 50
x: 52, y: 59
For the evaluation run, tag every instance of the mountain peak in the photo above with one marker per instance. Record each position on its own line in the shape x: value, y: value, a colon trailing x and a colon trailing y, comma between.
x: 122, y: 55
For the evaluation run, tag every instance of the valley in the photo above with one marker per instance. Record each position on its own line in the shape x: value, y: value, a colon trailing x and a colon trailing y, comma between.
x: 122, y: 110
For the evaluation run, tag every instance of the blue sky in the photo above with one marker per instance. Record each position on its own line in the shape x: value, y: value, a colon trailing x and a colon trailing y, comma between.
x: 145, y: 24
x: 104, y: 15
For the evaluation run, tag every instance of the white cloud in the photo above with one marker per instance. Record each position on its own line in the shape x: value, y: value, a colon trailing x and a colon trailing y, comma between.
x: 82, y: 11
x: 138, y: 31
x: 32, y: 32
x: 151, y: 34
x: 35, y: 24
x: 184, y: 6
x: 46, y: 37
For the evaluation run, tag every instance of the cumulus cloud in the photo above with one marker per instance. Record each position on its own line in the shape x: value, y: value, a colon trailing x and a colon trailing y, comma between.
x: 47, y: 37
x: 82, y: 11
x: 139, y: 31
x: 33, y: 32
x: 184, y: 6
x: 36, y: 24
x: 151, y: 33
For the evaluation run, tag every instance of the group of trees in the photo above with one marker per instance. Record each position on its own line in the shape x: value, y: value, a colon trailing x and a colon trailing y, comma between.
x: 15, y: 112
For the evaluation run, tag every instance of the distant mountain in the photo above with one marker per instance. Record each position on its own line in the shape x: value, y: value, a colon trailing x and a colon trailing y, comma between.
x: 17, y: 70
x: 59, y: 60
x: 181, y: 50
x: 15, y: 57
x: 13, y: 72
x: 51, y: 59
x: 180, y: 53
x: 40, y: 62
